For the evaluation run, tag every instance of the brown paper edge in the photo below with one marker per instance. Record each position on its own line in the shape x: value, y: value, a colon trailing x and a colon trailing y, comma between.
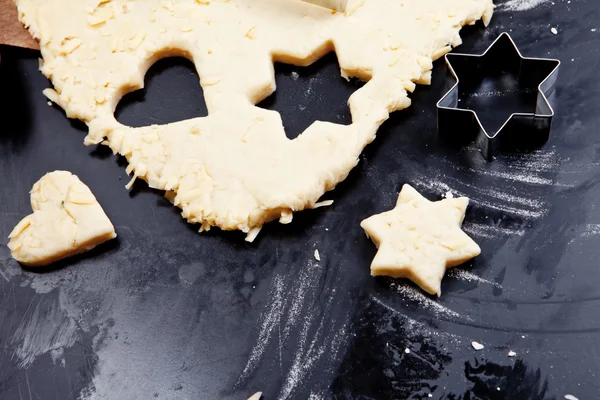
x: 12, y: 32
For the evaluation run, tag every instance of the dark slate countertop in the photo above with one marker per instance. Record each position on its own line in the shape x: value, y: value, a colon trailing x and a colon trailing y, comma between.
x: 165, y: 312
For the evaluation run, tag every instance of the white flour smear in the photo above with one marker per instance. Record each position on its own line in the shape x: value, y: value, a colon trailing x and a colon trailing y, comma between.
x: 528, y: 172
x: 308, y: 354
x: 470, y: 277
x: 530, y: 208
x: 319, y: 335
x: 295, y: 309
x: 536, y: 161
x: 490, y: 231
x: 524, y: 177
x: 537, y: 168
x: 533, y: 169
x: 270, y: 322
x: 9, y: 266
x: 521, y: 5
x: 509, y: 198
x: 43, y: 331
x: 532, y: 214
x: 591, y: 230
x: 525, y: 168
x: 138, y: 351
x: 45, y: 283
x: 417, y: 296
x: 415, y: 327
x: 519, y: 205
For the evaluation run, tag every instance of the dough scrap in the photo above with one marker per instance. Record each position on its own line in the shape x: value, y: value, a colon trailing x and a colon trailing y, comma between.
x: 255, y: 396
x: 67, y: 220
x: 419, y: 239
x: 236, y: 169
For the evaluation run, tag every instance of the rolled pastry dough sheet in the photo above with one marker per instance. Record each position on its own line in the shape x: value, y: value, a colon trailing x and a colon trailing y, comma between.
x: 235, y: 168
x: 337, y: 5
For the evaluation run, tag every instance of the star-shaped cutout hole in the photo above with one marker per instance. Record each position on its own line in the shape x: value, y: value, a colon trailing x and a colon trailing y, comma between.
x: 499, y: 100
x: 419, y: 239
x: 313, y: 93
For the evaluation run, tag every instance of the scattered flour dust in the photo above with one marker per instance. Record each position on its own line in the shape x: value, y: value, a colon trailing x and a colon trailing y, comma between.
x: 292, y: 308
x: 531, y: 208
x: 470, y: 277
x: 521, y: 5
x: 416, y: 327
x: 490, y: 231
x: 526, y: 168
x: 270, y: 322
x: 522, y: 177
x: 591, y: 230
x: 308, y: 354
x: 417, y: 296
x: 588, y: 231
x: 485, y: 197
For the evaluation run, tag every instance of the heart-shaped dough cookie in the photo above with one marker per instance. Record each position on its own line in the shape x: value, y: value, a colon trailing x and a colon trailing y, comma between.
x: 67, y: 220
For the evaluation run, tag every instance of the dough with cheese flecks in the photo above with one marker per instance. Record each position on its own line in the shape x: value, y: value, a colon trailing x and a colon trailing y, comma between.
x: 67, y: 220
x: 419, y: 239
x: 236, y: 169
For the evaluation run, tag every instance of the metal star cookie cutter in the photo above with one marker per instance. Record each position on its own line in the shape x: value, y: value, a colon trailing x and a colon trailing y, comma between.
x: 521, y: 131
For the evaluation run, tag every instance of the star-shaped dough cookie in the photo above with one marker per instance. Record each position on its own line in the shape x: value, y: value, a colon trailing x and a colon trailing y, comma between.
x: 67, y: 220
x: 419, y: 239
